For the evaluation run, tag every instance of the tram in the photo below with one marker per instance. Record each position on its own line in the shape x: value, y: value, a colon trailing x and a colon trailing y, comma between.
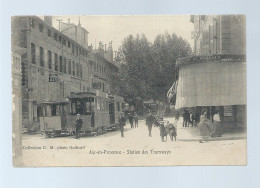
x: 99, y: 111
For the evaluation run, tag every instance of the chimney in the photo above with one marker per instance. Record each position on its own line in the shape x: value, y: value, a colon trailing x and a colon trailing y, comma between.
x: 48, y: 20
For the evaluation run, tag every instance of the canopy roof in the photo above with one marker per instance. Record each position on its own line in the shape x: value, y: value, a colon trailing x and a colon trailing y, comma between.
x: 211, y: 84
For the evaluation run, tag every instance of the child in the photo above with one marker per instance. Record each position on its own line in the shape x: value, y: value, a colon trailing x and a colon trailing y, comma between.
x: 163, y: 132
x: 172, y: 131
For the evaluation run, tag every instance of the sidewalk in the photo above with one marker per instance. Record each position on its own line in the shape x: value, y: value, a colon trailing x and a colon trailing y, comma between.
x: 192, y: 133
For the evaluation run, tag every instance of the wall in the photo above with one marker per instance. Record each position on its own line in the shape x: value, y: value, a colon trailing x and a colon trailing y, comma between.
x: 223, y: 34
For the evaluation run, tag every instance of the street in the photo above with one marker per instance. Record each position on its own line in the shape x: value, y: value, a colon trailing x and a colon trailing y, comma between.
x: 135, y: 149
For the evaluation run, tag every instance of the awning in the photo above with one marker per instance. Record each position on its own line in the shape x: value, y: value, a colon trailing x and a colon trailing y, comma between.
x: 211, y: 84
x: 82, y: 95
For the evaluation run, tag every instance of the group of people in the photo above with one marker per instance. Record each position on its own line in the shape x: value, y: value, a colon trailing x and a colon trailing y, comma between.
x: 207, y: 128
x: 133, y: 120
x: 165, y: 129
x: 190, y: 118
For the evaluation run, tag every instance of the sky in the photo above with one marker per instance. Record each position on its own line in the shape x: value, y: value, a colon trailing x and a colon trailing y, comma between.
x: 116, y: 28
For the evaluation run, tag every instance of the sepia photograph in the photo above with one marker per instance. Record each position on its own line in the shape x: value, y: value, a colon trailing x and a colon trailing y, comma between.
x: 129, y: 90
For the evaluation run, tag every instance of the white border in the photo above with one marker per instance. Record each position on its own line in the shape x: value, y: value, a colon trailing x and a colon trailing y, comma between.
x: 234, y: 176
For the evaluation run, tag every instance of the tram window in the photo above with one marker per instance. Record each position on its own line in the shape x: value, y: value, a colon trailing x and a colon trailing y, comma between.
x: 53, y: 110
x: 79, y: 107
x: 88, y: 107
x: 73, y: 108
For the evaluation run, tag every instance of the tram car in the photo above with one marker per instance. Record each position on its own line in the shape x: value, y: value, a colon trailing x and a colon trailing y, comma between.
x: 99, y: 112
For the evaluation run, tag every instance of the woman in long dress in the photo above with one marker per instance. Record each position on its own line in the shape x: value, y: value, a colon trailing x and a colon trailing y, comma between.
x: 205, y: 126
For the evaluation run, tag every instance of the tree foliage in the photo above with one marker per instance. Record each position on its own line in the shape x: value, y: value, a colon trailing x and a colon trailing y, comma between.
x: 147, y: 70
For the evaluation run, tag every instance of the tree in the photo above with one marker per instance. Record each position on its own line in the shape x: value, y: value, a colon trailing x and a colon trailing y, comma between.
x: 148, y: 69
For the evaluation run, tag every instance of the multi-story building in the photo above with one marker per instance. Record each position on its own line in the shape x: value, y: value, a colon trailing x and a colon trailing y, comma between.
x: 55, y: 65
x: 215, y: 76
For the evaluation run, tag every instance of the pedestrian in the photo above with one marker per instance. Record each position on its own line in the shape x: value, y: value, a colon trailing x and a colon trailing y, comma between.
x: 149, y: 123
x: 184, y: 119
x: 197, y: 118
x: 188, y: 118
x: 131, y: 119
x: 192, y: 115
x: 177, y: 116
x: 78, y: 126
x: 172, y: 131
x: 217, y: 127
x: 205, y: 127
x: 122, y: 121
x: 163, y: 132
x: 136, y: 120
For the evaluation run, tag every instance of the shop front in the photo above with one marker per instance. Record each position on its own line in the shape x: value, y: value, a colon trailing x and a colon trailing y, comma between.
x: 215, y: 83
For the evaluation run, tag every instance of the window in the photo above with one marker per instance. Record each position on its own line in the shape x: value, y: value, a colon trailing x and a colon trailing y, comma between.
x: 49, y: 60
x: 69, y: 44
x: 77, y: 66
x: 69, y: 66
x: 53, y: 110
x: 60, y: 63
x: 73, y: 48
x: 55, y: 36
x: 49, y: 32
x: 64, y: 41
x: 60, y: 39
x: 77, y: 52
x: 32, y: 23
x: 40, y: 27
x: 33, y: 53
x: 73, y: 68
x: 80, y: 70
x: 41, y: 57
x: 56, y: 61
x: 65, y: 66
x: 85, y: 106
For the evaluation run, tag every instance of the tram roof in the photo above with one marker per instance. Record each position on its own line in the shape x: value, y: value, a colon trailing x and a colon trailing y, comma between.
x: 53, y: 102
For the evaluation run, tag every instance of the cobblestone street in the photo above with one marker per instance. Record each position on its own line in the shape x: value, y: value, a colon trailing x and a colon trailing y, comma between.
x: 137, y: 148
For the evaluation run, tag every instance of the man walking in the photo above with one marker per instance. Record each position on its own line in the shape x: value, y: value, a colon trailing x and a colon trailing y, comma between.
x: 149, y: 122
x: 78, y: 126
x: 122, y: 124
x: 136, y: 120
x: 131, y: 119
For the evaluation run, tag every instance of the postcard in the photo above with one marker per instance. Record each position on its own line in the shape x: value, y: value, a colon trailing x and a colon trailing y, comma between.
x: 129, y: 90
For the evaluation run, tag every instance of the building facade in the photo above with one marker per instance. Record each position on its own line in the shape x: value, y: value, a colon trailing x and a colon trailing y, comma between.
x: 214, y: 78
x: 56, y: 65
